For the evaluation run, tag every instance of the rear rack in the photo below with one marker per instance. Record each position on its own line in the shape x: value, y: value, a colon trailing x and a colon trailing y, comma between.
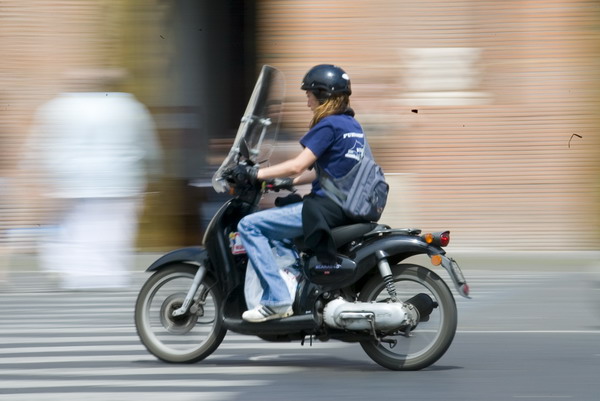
x: 385, y: 229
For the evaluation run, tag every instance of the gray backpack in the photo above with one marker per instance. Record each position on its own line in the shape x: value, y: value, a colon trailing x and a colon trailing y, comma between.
x: 362, y: 192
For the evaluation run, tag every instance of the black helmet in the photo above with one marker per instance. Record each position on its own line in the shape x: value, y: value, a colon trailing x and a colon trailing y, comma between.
x: 326, y: 80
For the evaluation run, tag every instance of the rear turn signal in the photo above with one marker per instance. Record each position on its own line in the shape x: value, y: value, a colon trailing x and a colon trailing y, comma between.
x: 428, y: 238
x: 436, y: 260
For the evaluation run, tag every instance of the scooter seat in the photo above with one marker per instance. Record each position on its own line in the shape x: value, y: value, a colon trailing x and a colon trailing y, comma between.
x: 341, y: 235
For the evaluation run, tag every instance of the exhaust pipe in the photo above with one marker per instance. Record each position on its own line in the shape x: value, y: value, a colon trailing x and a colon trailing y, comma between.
x: 424, y: 304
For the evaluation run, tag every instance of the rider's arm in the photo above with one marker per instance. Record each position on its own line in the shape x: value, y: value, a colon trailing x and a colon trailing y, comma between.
x: 289, y: 168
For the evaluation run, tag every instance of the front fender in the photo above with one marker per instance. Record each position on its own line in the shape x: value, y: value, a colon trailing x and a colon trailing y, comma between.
x: 194, y: 254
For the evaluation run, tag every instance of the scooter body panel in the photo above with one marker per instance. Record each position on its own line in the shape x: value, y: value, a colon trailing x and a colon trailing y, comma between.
x: 195, y: 255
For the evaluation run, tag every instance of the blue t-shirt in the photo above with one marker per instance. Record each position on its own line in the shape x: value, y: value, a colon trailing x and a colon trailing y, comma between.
x: 338, y: 142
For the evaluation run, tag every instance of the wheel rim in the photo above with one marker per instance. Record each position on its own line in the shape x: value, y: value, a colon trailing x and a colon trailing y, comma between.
x: 426, y: 336
x: 183, y: 335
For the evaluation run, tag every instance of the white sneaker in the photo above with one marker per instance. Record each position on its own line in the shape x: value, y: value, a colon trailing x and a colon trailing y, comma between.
x: 263, y: 313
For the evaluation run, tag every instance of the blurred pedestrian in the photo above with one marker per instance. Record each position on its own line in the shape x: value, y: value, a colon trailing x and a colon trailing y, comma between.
x: 96, y: 149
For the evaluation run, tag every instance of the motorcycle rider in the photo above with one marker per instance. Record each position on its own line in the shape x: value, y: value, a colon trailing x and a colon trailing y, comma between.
x: 335, y: 142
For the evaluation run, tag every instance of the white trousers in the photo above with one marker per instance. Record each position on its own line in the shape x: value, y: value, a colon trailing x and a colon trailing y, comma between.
x: 93, y: 244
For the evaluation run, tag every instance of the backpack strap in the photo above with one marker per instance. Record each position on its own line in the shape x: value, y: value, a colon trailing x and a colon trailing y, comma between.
x: 328, y: 183
x: 333, y: 192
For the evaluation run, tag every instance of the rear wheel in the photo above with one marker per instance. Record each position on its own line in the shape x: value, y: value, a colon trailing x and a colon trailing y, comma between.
x: 432, y: 336
x: 190, y: 337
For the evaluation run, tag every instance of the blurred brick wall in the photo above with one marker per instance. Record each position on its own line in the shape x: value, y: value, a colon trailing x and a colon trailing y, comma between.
x: 469, y: 106
x: 170, y: 51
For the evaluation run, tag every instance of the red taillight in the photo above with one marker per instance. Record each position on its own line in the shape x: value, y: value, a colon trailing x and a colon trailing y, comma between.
x: 445, y: 238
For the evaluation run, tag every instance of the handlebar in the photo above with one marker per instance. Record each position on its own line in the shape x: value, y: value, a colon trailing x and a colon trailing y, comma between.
x: 278, y: 184
x: 239, y: 179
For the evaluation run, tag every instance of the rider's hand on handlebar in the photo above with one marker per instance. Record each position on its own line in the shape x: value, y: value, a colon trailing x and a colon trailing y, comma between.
x: 243, y: 173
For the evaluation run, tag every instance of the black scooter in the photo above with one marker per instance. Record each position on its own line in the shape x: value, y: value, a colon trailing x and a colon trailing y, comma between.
x: 403, y: 315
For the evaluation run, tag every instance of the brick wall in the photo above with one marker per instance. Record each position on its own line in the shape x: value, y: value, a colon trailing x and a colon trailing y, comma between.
x: 470, y: 105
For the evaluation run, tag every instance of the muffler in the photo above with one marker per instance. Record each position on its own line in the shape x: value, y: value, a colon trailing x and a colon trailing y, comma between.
x: 342, y: 314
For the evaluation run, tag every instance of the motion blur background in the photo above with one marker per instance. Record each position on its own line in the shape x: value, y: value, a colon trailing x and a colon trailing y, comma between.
x: 484, y: 114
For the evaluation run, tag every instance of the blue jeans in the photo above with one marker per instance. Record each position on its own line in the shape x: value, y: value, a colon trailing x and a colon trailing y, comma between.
x: 257, y: 231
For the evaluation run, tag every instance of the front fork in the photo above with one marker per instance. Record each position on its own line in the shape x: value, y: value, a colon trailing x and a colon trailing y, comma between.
x: 189, y: 298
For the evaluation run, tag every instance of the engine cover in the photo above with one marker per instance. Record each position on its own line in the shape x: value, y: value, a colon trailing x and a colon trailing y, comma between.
x: 342, y: 314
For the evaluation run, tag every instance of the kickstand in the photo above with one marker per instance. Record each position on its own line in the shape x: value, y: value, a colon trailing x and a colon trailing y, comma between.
x: 391, y: 342
x: 310, y: 340
x: 371, y: 321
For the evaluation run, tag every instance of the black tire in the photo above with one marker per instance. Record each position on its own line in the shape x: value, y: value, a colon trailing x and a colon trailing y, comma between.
x: 185, y: 339
x: 431, y: 338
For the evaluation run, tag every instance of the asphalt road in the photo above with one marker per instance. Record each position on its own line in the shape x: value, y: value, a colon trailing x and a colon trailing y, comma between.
x: 524, y: 336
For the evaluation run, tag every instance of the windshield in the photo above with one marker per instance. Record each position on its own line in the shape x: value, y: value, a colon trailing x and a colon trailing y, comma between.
x: 258, y: 129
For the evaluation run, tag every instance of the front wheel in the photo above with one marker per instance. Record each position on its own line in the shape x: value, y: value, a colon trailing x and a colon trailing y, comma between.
x: 190, y: 337
x: 432, y: 336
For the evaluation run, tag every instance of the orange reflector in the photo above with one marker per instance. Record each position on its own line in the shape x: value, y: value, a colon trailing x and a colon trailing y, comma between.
x: 436, y: 260
x: 428, y: 238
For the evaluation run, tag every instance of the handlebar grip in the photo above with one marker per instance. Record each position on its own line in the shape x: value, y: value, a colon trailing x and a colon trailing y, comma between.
x: 277, y: 184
